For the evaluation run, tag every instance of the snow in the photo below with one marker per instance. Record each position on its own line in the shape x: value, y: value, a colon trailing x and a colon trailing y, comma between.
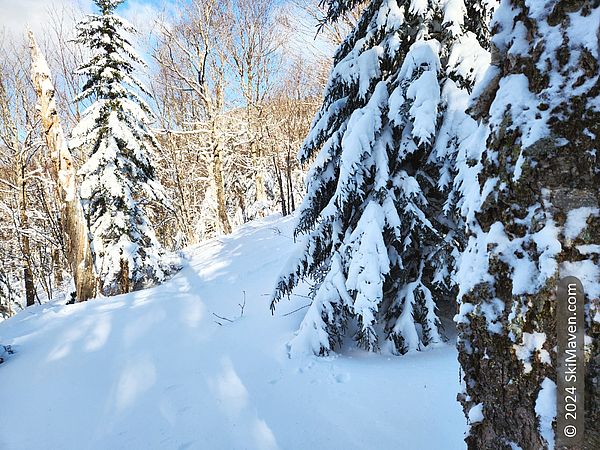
x: 454, y: 15
x: 363, y: 68
x: 393, y: 14
x: 520, y: 45
x: 476, y: 413
x: 588, y: 249
x: 581, y: 28
x: 468, y: 59
x: 504, y: 18
x: 548, y: 244
x: 418, y: 7
x: 466, y: 181
x: 368, y: 68
x: 421, y: 54
x: 363, y: 127
x: 577, y: 221
x: 425, y: 93
x: 532, y: 343
x: 312, y: 338
x: 588, y: 273
x: 368, y: 265
x: 545, y: 408
x: 514, y: 93
x: 528, y: 275
x: 152, y: 369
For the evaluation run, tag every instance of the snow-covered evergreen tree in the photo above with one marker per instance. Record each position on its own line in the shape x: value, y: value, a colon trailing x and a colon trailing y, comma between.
x: 376, y: 240
x: 531, y: 187
x: 118, y: 178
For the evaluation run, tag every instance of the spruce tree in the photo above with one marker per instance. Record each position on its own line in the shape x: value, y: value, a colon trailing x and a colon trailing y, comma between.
x: 118, y: 178
x: 533, y: 218
x: 378, y: 238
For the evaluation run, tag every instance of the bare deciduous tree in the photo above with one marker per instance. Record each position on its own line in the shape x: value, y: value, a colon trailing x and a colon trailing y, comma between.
x: 76, y: 235
x: 192, y: 60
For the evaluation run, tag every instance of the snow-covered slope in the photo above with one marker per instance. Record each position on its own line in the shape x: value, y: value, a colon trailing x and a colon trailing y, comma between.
x: 153, y: 369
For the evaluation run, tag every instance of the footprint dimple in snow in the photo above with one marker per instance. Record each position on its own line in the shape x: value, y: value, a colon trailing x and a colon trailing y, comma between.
x: 342, y: 377
x: 305, y: 368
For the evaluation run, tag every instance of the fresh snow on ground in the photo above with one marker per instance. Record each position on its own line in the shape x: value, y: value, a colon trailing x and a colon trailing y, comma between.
x: 153, y: 369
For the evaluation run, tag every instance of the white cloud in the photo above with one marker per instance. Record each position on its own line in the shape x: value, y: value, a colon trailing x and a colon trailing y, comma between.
x: 17, y: 16
x: 142, y: 14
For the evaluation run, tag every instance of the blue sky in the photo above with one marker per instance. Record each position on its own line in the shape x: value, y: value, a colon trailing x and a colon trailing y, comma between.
x: 20, y: 13
x: 17, y: 16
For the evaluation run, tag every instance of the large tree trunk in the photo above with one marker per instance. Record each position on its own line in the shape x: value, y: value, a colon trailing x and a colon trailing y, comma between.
x: 542, y: 167
x: 74, y: 225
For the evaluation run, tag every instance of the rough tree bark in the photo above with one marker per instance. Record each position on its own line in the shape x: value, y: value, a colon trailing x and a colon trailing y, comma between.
x: 74, y: 225
x: 541, y: 165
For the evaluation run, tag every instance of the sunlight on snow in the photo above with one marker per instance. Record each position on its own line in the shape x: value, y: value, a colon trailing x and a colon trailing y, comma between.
x: 264, y: 437
x: 229, y: 389
x: 68, y: 339
x: 193, y: 314
x: 140, y: 327
x: 99, y: 334
x: 137, y: 377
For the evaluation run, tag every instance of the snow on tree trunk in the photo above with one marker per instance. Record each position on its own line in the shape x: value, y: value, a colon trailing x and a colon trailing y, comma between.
x: 74, y: 225
x: 531, y: 187
x: 378, y: 239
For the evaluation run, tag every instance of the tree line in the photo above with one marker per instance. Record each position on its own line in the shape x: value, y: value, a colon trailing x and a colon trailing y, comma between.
x: 229, y: 100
